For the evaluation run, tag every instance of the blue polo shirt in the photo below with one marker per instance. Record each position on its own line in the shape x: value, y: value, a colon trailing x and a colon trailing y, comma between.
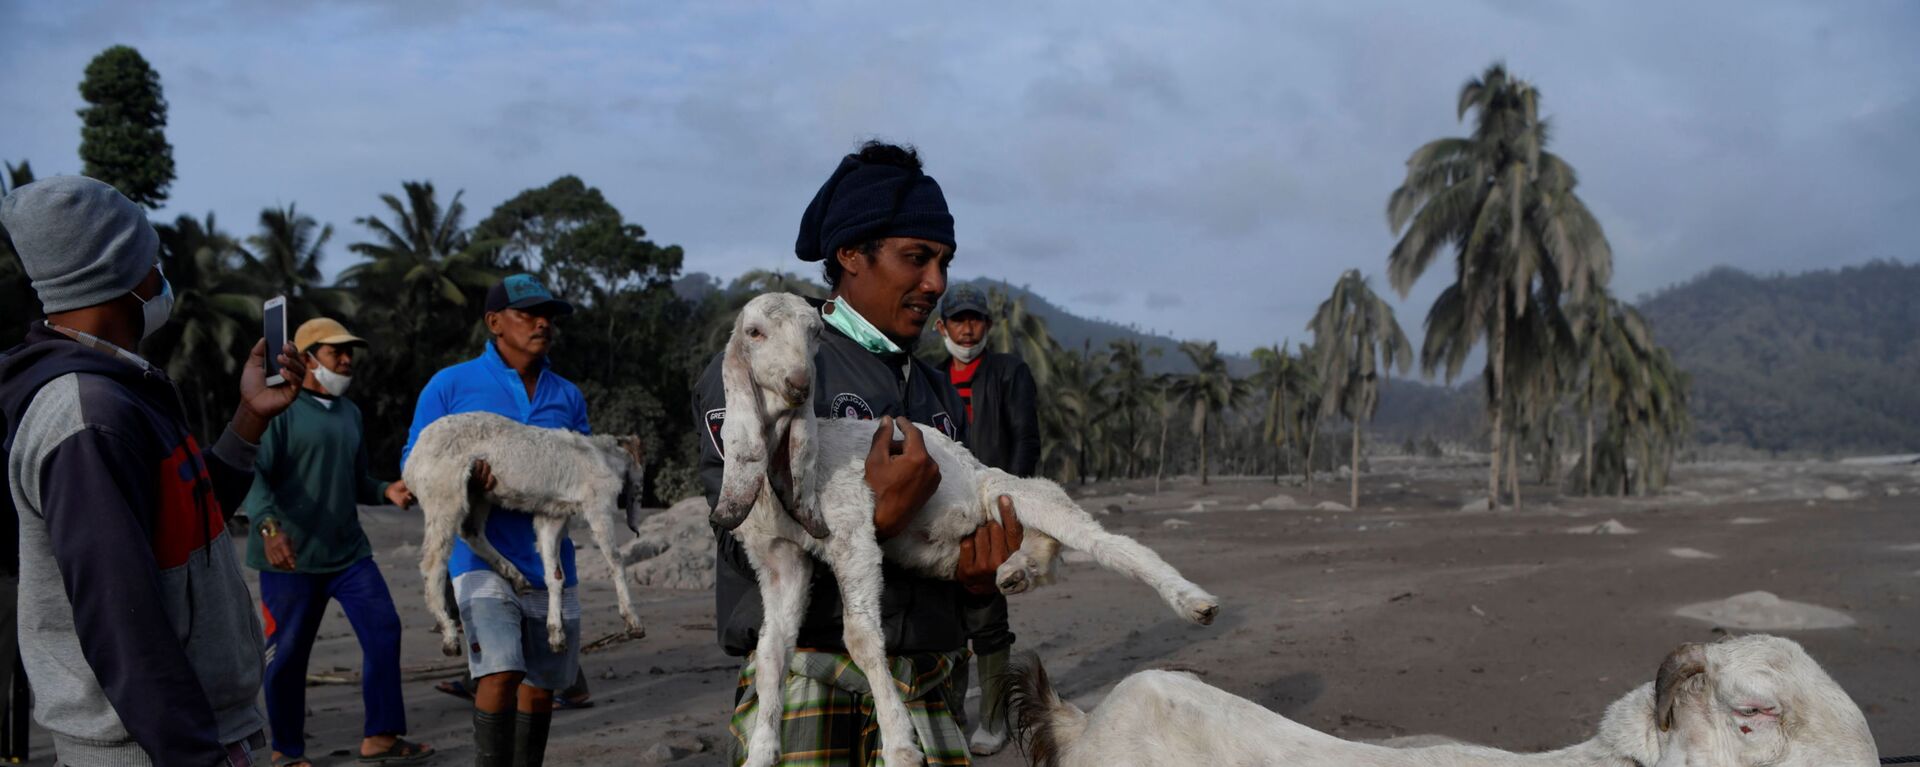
x: 486, y: 383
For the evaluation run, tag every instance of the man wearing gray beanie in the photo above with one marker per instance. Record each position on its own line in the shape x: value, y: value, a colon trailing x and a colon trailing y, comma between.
x: 122, y: 515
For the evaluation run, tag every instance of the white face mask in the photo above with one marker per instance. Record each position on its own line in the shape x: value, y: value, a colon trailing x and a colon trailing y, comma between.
x: 155, y: 311
x: 965, y: 354
x: 334, y: 383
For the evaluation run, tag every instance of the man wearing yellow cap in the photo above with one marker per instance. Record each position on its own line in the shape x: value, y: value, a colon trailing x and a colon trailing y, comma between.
x: 310, y: 472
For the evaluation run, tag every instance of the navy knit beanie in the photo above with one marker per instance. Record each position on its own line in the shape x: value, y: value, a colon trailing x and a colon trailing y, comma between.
x: 863, y: 201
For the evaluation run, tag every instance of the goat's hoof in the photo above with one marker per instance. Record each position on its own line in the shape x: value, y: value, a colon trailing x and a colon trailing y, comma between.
x: 1016, y: 575
x: 450, y: 648
x: 1201, y: 610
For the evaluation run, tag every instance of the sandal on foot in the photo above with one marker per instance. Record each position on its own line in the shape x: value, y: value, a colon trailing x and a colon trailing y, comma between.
x: 402, y: 751
x: 456, y: 688
x: 569, y: 704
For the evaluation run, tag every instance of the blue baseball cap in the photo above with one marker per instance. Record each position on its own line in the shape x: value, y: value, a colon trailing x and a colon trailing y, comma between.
x: 524, y: 292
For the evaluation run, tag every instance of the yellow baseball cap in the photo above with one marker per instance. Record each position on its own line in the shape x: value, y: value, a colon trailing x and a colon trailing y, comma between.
x: 322, y: 330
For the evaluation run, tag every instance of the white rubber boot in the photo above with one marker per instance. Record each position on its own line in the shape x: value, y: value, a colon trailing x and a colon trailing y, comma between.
x: 992, y: 733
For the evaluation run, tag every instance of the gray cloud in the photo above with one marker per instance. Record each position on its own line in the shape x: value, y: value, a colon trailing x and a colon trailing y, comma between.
x: 1121, y: 157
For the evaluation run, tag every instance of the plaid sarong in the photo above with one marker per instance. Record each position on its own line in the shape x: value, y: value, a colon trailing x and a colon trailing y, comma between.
x: 829, y: 719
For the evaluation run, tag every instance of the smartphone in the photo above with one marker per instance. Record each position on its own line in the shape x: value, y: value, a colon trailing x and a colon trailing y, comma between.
x: 273, y: 319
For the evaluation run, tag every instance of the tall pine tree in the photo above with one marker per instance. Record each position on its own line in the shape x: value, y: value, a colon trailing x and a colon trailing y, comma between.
x: 122, y: 141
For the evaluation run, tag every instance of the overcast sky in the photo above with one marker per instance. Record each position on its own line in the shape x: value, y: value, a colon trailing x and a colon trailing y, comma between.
x: 1200, y: 169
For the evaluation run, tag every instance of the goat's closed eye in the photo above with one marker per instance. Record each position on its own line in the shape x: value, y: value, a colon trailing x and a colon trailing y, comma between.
x: 1750, y: 711
x: 754, y: 333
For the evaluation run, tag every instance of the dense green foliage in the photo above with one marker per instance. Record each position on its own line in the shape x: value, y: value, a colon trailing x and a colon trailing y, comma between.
x: 123, y: 139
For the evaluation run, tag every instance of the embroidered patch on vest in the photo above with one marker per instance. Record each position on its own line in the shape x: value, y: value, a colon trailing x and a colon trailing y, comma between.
x: 715, y: 419
x: 944, y: 423
x: 850, y: 405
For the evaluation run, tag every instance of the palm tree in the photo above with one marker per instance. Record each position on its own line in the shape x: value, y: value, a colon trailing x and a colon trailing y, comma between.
x: 1359, y: 344
x: 1307, y: 413
x: 422, y: 282
x: 216, y: 315
x: 1506, y: 207
x: 1130, y: 392
x: 423, y: 259
x: 1210, y: 389
x: 1280, y: 375
x: 1072, y: 417
x: 1019, y: 331
x: 284, y: 258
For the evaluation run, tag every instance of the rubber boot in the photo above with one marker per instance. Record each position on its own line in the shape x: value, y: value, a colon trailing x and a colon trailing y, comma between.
x: 992, y: 734
x: 530, y: 738
x: 492, y: 739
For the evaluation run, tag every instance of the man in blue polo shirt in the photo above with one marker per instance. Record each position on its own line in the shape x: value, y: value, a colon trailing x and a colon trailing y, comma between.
x: 515, y: 673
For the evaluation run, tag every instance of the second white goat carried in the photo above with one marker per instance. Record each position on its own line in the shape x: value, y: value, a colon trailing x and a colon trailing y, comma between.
x: 817, y: 502
x: 553, y: 474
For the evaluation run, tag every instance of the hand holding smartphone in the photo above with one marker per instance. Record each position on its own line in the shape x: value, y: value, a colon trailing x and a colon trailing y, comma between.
x: 273, y: 317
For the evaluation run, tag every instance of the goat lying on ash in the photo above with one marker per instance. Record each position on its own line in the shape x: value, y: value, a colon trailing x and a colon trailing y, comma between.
x: 1755, y: 701
x: 817, y: 502
x: 553, y: 474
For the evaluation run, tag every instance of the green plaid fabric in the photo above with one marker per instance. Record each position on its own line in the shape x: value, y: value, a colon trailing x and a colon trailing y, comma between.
x: 829, y: 719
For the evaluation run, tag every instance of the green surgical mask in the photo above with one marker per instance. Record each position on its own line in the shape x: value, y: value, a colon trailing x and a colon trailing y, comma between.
x: 844, y: 319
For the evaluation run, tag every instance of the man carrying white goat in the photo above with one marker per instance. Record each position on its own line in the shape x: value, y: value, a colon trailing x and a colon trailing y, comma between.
x: 882, y: 228
x: 515, y: 673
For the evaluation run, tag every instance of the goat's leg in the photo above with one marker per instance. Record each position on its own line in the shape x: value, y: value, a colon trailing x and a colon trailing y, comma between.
x: 784, y: 571
x: 855, y: 557
x: 1043, y: 506
x: 442, y: 520
x: 474, y: 532
x: 600, y: 523
x: 546, y: 534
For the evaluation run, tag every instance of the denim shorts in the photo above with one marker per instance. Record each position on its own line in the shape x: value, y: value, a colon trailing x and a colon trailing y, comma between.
x: 508, y: 632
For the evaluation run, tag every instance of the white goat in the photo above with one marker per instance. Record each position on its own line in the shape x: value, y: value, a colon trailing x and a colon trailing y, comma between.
x: 768, y: 376
x: 553, y: 474
x: 1755, y: 701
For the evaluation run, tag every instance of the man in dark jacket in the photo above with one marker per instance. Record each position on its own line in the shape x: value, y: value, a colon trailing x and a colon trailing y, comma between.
x: 882, y: 228
x: 137, y: 631
x: 1003, y: 431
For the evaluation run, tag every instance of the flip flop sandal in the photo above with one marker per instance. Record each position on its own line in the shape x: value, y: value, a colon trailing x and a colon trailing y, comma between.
x: 293, y: 761
x: 565, y: 704
x: 455, y: 688
x: 402, y: 751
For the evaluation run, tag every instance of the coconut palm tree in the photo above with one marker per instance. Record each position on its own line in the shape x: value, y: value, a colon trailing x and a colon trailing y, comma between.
x: 1019, y: 331
x: 1130, y: 392
x: 1210, y: 389
x: 423, y: 260
x: 1359, y: 344
x: 284, y: 259
x: 1507, y: 210
x: 216, y: 316
x: 1072, y: 419
x: 1280, y: 378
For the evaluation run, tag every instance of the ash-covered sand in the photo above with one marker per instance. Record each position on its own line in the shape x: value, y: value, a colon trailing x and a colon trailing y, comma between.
x: 1419, y: 613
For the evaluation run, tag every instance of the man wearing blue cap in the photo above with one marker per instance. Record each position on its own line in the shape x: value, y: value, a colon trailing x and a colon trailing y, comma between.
x: 882, y: 229
x: 515, y: 672
x: 136, y: 628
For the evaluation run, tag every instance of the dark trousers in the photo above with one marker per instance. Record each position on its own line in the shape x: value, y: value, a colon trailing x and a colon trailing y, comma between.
x: 293, y: 604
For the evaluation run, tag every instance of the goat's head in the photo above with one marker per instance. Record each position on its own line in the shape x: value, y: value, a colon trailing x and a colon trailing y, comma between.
x: 767, y: 374
x: 770, y: 356
x: 633, y: 485
x: 1753, y: 701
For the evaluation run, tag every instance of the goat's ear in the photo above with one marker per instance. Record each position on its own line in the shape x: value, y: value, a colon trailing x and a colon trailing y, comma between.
x: 1684, y: 663
x: 635, y: 447
x: 803, y: 498
x: 743, y: 436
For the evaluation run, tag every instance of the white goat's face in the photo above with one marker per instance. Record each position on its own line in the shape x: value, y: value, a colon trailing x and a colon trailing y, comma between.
x: 633, y: 475
x: 778, y: 332
x: 1756, y: 701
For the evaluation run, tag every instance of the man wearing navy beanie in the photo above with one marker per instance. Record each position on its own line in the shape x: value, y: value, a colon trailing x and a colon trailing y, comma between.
x: 122, y: 516
x: 881, y: 226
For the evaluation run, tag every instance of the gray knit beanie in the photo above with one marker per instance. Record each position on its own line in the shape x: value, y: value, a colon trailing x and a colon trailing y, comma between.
x: 80, y: 241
